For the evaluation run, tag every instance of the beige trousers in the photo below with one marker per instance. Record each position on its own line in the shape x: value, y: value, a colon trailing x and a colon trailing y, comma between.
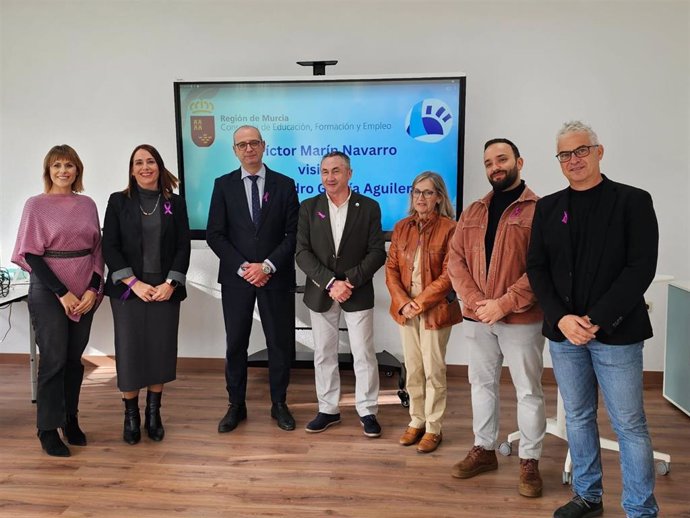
x: 425, y: 363
x: 360, y: 329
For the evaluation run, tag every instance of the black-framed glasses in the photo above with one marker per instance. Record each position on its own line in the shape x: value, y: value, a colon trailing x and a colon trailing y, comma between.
x: 250, y: 143
x: 428, y: 193
x: 580, y: 152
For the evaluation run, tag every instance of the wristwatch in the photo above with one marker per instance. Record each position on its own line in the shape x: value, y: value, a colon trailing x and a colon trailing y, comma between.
x: 266, y: 268
x: 172, y: 283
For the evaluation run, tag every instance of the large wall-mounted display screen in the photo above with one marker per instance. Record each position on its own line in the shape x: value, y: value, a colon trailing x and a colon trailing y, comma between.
x: 393, y: 128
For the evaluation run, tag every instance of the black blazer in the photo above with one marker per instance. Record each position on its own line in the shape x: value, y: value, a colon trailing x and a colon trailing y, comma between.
x: 231, y: 234
x: 626, y: 235
x: 362, y: 251
x: 122, y: 240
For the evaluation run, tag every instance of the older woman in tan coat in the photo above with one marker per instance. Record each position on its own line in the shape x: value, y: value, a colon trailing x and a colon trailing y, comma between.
x: 423, y: 303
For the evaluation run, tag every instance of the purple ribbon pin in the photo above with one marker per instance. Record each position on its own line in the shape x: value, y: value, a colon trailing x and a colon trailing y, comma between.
x: 266, y: 197
x: 320, y: 214
x: 565, y: 217
x: 517, y: 212
x: 167, y: 206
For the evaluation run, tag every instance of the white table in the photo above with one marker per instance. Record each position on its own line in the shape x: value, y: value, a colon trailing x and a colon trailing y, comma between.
x: 20, y: 293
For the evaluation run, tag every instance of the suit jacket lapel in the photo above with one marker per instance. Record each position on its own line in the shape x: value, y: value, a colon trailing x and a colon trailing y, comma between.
x: 133, y: 205
x: 562, y: 226
x: 269, y: 193
x: 353, y: 210
x: 166, y: 215
x: 240, y: 198
x: 323, y: 220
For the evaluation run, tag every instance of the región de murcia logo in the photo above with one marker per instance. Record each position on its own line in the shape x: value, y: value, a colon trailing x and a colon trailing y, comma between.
x: 202, y: 122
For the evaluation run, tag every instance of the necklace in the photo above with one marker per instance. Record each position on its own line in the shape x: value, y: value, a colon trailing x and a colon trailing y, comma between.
x: 154, y: 207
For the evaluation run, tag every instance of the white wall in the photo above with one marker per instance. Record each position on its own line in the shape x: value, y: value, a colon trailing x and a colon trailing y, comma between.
x: 98, y: 75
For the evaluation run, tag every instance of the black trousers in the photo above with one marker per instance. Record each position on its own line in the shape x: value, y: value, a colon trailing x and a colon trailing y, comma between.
x: 61, y: 343
x: 277, y: 311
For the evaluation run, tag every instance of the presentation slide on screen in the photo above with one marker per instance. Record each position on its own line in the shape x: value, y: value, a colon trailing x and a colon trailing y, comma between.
x: 391, y: 129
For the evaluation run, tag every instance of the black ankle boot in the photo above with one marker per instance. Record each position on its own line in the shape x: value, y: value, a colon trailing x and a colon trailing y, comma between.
x: 132, y: 430
x: 72, y: 432
x: 52, y: 444
x: 153, y: 422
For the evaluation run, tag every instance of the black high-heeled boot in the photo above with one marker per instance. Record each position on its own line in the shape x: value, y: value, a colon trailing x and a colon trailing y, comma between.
x: 52, y: 444
x: 72, y: 432
x: 132, y: 429
x: 153, y: 422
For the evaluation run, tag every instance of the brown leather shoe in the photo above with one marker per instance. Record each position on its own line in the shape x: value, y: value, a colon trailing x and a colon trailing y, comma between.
x: 477, y: 461
x: 411, y: 436
x: 530, y: 479
x: 429, y: 442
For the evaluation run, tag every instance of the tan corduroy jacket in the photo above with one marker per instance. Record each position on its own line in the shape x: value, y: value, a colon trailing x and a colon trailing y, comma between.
x: 434, y: 238
x: 506, y: 279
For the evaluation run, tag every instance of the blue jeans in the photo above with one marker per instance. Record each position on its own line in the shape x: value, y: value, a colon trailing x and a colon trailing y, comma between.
x: 617, y: 369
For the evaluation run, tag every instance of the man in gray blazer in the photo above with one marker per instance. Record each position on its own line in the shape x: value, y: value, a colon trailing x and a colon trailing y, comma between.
x: 340, y: 246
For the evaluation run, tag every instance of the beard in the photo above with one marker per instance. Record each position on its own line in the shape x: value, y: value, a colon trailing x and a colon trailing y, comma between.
x: 509, y: 179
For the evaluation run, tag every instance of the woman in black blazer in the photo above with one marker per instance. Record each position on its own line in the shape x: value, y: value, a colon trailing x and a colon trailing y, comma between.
x: 146, y: 246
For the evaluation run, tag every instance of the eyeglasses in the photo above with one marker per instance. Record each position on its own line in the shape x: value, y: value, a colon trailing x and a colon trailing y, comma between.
x: 426, y: 194
x: 581, y: 152
x: 251, y: 143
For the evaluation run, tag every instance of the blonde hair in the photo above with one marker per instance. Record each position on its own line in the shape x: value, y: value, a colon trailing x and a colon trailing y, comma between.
x: 444, y: 207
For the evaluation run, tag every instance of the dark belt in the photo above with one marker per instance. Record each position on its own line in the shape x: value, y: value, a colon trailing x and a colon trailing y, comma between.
x: 66, y: 254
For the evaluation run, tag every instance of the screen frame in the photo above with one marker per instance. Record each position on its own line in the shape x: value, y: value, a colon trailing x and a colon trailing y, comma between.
x: 200, y: 234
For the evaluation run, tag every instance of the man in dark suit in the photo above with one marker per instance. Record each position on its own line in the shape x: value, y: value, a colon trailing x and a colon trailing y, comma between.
x: 340, y: 246
x: 592, y: 256
x: 252, y: 224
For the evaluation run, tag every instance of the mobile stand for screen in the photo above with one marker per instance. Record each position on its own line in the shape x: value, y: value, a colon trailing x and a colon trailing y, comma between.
x: 388, y: 364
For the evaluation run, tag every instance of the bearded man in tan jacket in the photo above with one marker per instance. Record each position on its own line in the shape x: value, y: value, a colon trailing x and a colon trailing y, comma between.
x: 501, y: 318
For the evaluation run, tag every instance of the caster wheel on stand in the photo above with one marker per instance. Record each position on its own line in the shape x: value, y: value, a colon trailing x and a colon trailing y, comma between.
x: 662, y: 468
x: 404, y: 398
x: 505, y: 449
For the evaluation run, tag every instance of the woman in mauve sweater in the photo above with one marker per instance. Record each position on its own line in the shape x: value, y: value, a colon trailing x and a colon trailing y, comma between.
x: 59, y: 243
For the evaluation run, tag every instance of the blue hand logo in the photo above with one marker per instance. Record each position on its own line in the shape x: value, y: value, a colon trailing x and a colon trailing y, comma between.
x: 429, y: 120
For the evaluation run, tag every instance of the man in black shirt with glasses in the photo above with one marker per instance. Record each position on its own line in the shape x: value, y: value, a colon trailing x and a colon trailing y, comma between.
x: 592, y: 256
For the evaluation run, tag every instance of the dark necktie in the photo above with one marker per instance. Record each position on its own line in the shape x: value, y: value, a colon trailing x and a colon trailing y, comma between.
x: 256, y: 202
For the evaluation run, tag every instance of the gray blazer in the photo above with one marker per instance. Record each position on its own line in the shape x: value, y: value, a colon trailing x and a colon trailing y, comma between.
x: 361, y: 253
